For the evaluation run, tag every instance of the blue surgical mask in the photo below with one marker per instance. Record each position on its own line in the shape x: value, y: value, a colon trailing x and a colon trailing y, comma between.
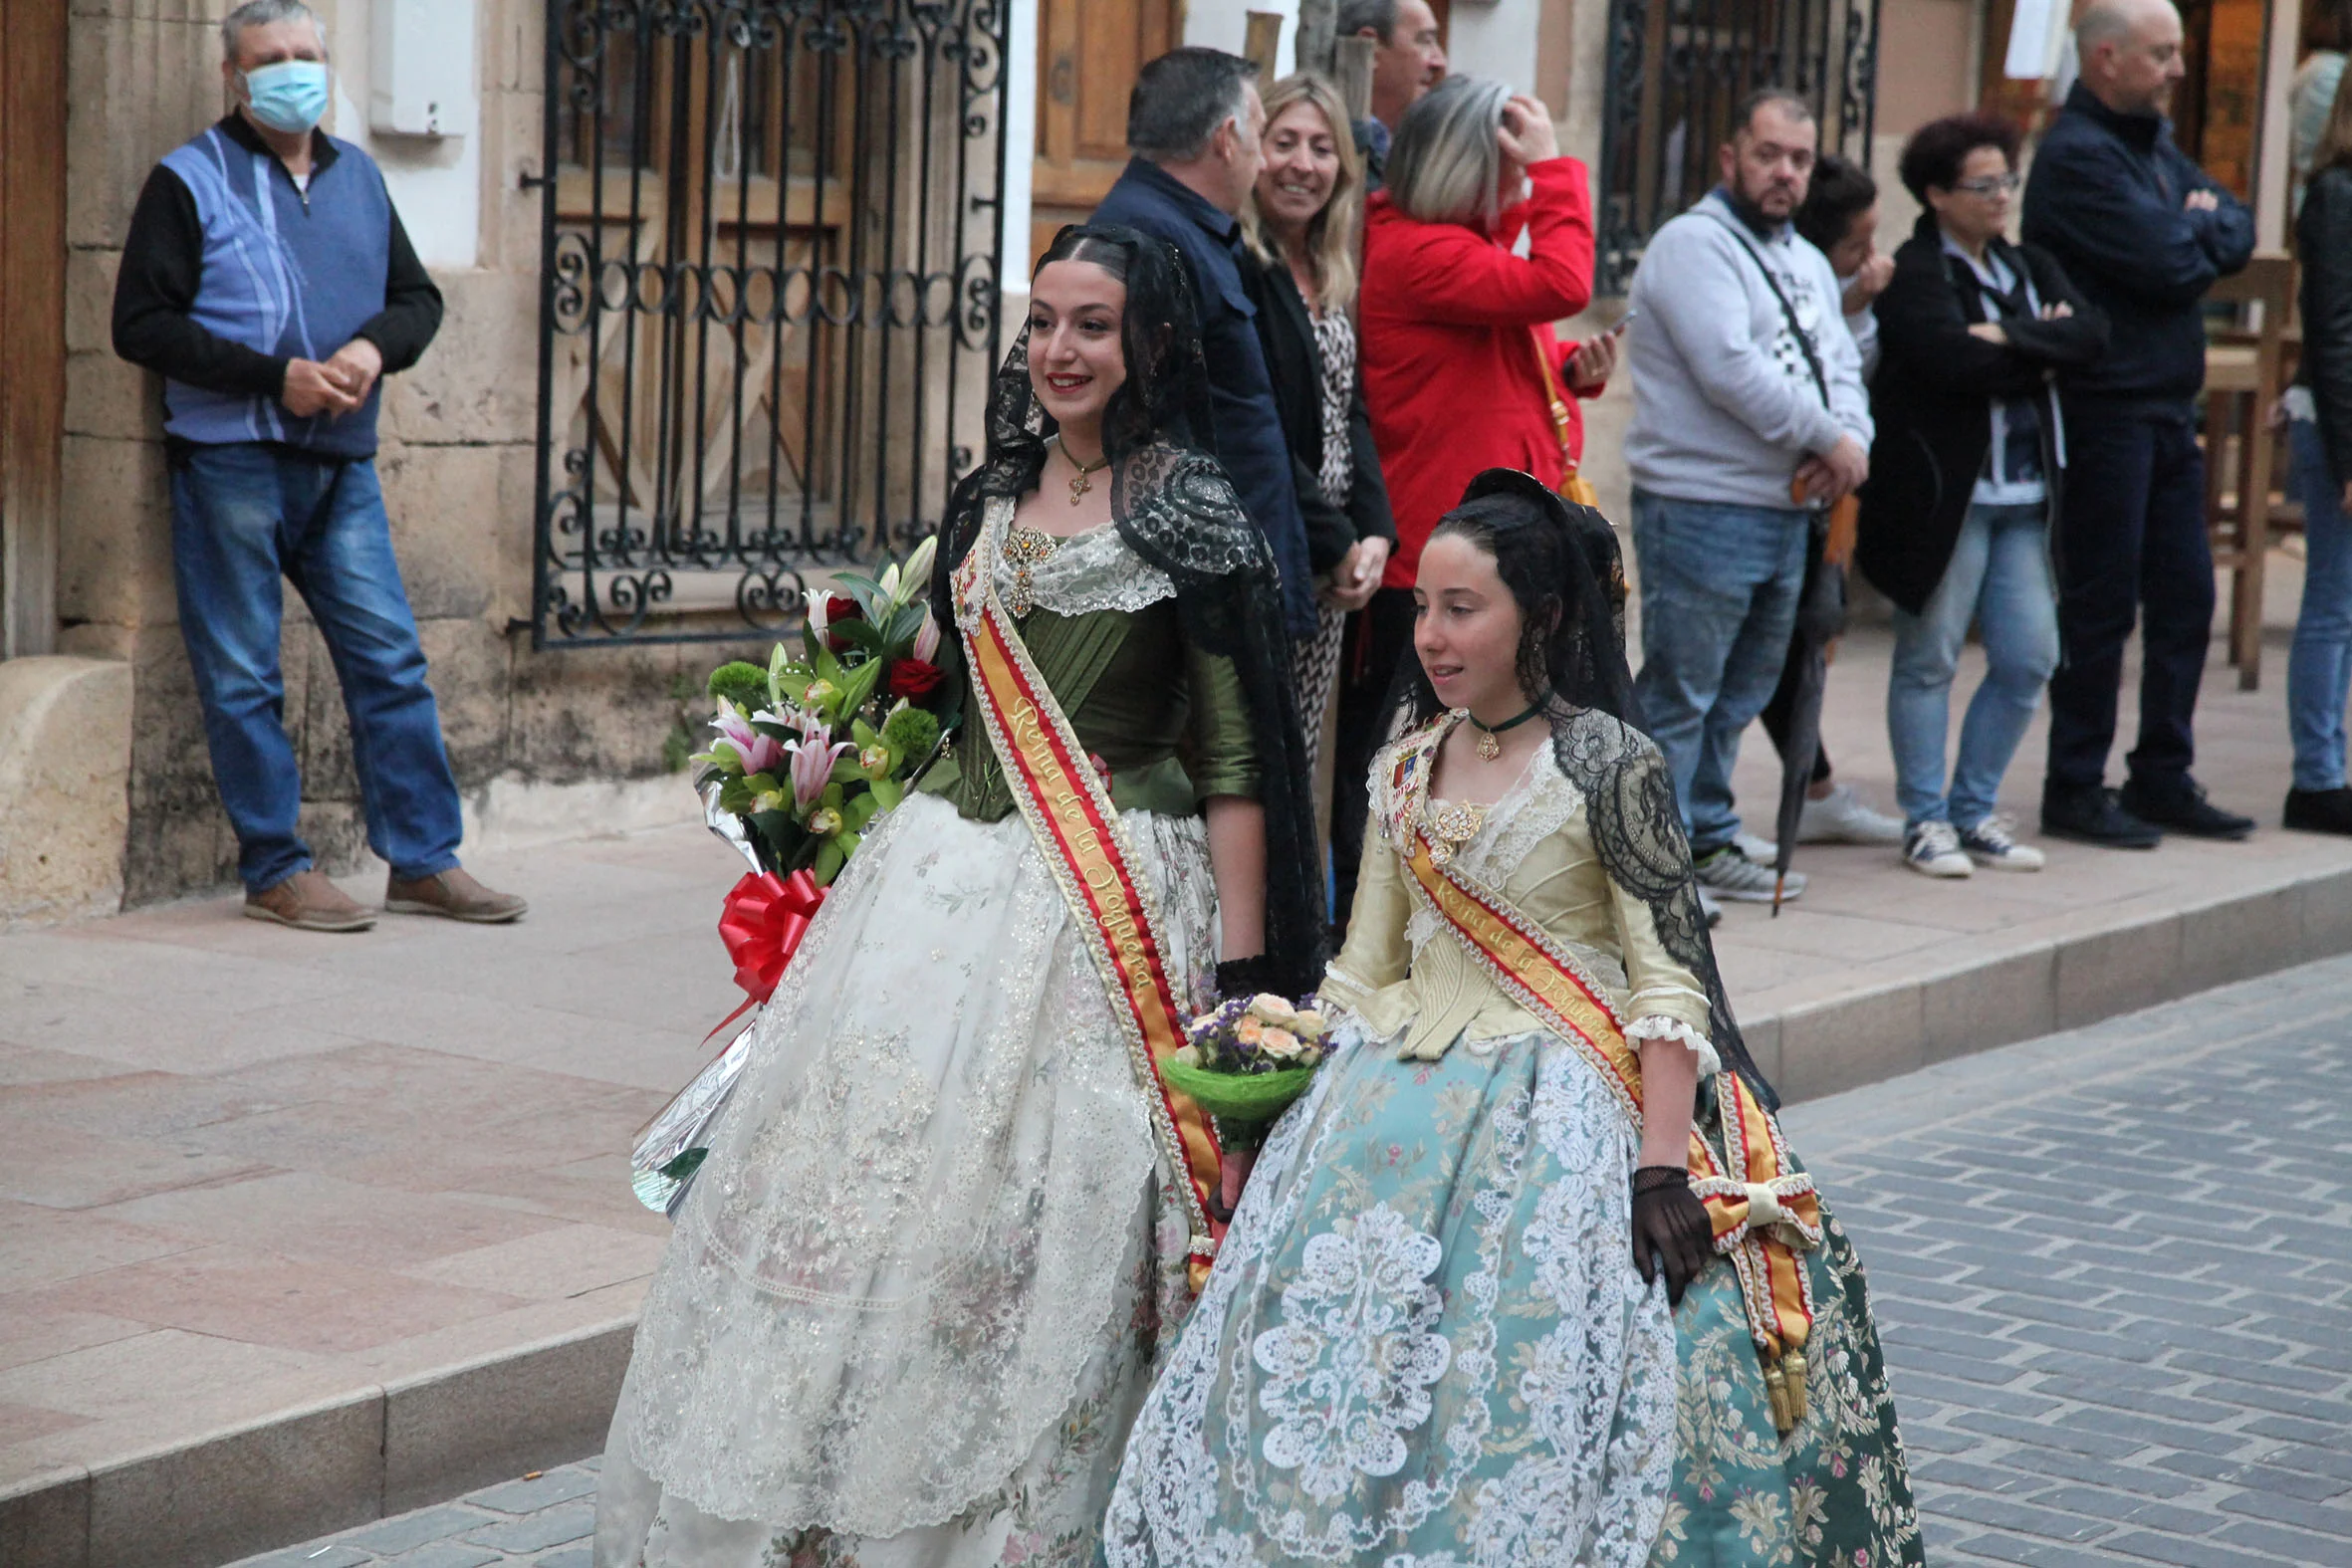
x: 290, y: 96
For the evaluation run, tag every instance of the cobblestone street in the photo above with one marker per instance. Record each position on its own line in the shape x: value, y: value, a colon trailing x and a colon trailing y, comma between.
x: 2114, y: 1272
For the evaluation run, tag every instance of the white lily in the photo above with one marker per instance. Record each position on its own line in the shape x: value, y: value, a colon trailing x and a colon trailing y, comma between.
x: 918, y: 571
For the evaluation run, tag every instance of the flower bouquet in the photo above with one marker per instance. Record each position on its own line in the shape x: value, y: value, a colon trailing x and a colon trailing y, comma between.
x: 814, y: 747
x: 809, y: 753
x: 1247, y: 1060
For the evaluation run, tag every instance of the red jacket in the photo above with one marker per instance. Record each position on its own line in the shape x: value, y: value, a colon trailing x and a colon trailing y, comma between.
x: 1450, y: 326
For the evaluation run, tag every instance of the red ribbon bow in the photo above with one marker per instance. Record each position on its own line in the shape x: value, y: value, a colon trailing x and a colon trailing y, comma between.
x: 762, y: 923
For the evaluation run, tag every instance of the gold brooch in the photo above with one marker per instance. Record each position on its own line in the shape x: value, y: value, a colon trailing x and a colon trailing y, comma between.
x: 1451, y: 827
x: 1027, y: 549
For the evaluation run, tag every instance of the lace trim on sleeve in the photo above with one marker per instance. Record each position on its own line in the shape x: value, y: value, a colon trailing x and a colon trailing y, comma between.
x: 1658, y: 1026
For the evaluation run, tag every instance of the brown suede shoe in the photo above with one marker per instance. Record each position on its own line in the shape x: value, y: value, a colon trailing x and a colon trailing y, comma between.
x: 454, y: 895
x: 307, y: 901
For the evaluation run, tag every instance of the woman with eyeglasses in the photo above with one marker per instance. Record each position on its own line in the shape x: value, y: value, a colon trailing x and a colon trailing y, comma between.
x: 1959, y: 512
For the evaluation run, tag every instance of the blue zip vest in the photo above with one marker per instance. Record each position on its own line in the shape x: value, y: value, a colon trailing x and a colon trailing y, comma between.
x: 285, y: 273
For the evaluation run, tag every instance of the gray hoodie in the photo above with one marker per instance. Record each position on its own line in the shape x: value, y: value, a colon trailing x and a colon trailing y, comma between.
x: 1724, y: 406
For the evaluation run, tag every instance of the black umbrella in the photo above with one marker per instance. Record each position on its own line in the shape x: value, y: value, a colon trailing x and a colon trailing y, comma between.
x: 1820, y: 616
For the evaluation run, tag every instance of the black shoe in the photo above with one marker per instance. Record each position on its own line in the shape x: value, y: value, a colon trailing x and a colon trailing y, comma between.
x: 2320, y: 811
x: 2180, y: 807
x: 2090, y: 814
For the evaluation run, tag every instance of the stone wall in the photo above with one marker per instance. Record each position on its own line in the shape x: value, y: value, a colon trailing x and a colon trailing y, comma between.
x: 457, y: 463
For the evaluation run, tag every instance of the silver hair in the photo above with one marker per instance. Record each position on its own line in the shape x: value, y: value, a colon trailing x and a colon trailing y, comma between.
x: 1446, y: 165
x: 1378, y: 15
x: 263, y: 13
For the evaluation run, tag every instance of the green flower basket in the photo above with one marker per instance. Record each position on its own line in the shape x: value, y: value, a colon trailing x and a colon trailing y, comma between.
x: 1246, y: 1099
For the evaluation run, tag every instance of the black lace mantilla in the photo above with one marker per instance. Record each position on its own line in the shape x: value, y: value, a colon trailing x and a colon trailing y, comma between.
x: 1176, y: 510
x: 1637, y: 833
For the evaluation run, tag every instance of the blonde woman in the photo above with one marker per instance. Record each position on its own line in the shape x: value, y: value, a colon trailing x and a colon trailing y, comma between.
x: 1304, y: 227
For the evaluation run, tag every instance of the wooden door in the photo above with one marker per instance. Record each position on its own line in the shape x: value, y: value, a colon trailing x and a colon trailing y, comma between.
x: 1087, y: 55
x: 32, y: 320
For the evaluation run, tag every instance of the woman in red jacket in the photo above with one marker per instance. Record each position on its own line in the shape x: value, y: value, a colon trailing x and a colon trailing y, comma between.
x: 1461, y: 370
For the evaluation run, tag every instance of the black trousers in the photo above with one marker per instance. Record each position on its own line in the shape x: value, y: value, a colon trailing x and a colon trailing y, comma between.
x: 2132, y: 536
x: 1379, y: 638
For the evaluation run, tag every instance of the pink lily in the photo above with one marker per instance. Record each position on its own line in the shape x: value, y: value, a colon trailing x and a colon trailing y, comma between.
x: 927, y: 638
x: 814, y: 755
x: 758, y: 753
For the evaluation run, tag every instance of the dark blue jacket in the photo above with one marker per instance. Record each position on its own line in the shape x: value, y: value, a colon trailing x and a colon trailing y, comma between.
x: 2106, y: 199
x: 1250, y: 441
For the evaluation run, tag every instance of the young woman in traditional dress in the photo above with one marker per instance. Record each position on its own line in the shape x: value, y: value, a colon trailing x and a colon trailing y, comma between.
x: 1539, y: 1168
x: 915, y: 1291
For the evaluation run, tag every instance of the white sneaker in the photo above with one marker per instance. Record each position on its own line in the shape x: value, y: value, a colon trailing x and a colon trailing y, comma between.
x: 1993, y: 843
x: 1840, y: 818
x: 1731, y: 875
x: 1709, y: 910
x: 1761, y: 850
x: 1933, y: 849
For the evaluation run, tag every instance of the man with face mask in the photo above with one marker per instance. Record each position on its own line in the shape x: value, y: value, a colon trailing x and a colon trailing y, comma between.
x: 267, y: 279
x: 1749, y: 413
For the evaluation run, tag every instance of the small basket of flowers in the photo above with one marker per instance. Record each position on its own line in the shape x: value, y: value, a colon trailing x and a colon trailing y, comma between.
x: 1247, y: 1060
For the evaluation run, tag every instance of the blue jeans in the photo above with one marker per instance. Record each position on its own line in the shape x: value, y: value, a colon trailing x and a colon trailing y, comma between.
x: 1719, y: 591
x: 242, y: 517
x: 2000, y: 578
x: 2319, y: 667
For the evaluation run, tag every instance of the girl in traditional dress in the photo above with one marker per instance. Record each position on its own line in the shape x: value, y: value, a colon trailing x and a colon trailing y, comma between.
x: 915, y: 1291
x: 1539, y: 1168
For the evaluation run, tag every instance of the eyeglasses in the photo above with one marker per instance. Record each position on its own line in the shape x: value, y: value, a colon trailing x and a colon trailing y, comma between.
x: 1991, y: 185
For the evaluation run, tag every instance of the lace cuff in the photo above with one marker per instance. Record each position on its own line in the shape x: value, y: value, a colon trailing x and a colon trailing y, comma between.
x: 1658, y: 1026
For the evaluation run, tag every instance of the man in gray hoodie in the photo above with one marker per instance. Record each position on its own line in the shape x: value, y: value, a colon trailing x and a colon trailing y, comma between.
x: 1748, y: 413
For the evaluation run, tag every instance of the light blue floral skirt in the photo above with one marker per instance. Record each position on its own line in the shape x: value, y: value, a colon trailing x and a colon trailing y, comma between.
x: 1425, y: 1346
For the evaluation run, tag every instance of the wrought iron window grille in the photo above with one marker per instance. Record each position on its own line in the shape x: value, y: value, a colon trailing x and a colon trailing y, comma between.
x: 1676, y: 68
x: 771, y: 240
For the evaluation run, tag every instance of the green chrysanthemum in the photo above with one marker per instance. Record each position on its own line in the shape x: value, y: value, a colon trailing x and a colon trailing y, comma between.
x: 912, y: 732
x: 744, y: 685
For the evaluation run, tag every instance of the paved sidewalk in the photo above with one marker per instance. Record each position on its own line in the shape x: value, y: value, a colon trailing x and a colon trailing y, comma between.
x: 364, y: 1199
x: 544, y: 1519
x: 2113, y: 1270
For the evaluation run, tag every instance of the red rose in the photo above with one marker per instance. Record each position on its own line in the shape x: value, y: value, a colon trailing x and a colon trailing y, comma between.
x: 831, y: 609
x: 914, y: 679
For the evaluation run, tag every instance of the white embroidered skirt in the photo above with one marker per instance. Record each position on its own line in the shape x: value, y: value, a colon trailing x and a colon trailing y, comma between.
x: 915, y: 1295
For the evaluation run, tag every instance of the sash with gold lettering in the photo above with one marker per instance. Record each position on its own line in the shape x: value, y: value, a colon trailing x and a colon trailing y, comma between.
x: 1763, y: 1211
x: 1067, y: 806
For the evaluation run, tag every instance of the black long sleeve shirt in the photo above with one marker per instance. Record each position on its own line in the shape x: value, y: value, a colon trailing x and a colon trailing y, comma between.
x: 164, y: 262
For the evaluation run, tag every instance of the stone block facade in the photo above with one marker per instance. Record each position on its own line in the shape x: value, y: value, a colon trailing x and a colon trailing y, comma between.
x: 457, y: 460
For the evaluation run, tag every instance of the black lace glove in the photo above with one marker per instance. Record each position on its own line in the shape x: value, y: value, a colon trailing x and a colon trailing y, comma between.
x: 1244, y: 977
x: 1671, y: 1233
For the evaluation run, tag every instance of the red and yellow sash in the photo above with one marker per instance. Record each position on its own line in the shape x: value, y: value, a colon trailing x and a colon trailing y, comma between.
x: 1067, y: 806
x: 1763, y: 1211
